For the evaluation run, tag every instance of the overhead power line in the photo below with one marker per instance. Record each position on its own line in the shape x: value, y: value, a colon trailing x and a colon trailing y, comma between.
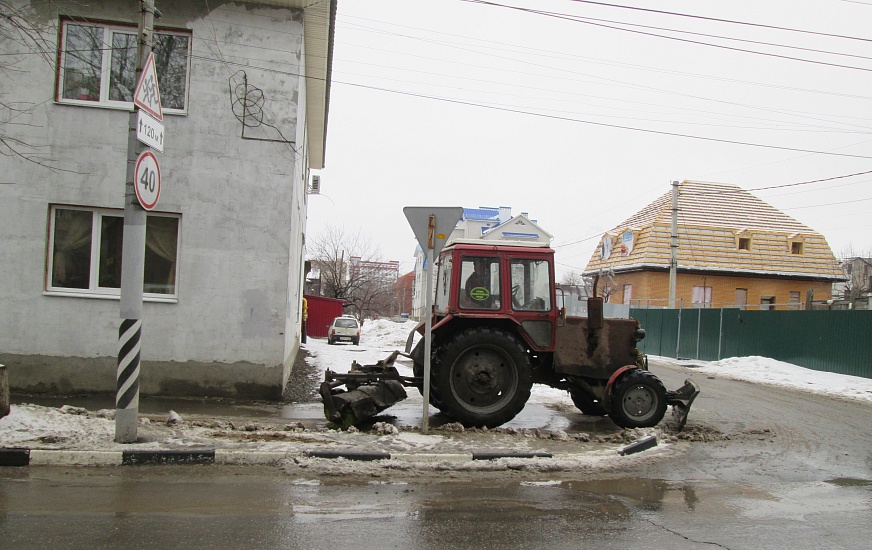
x: 588, y: 21
x: 602, y: 124
x: 702, y: 17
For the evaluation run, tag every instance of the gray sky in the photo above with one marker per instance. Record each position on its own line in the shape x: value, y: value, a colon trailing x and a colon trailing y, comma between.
x: 458, y: 103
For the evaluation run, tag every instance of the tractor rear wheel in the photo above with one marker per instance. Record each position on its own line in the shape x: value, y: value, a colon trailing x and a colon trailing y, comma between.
x: 638, y: 400
x: 482, y: 377
x: 586, y: 404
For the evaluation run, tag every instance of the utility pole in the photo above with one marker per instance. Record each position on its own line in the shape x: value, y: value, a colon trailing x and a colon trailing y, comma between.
x: 673, y: 260
x: 132, y: 260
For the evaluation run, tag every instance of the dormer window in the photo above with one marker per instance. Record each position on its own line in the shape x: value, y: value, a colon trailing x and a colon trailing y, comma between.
x: 796, y: 247
x: 744, y: 243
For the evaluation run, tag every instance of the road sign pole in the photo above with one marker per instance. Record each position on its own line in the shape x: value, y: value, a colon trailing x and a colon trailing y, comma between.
x: 432, y: 227
x: 132, y: 263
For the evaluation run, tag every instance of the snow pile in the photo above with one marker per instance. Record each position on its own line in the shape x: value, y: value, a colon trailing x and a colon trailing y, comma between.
x: 763, y: 370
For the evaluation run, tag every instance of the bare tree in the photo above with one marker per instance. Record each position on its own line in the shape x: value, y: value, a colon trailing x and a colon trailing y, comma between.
x: 339, y: 257
x: 857, y: 266
x: 572, y: 278
x: 24, y: 37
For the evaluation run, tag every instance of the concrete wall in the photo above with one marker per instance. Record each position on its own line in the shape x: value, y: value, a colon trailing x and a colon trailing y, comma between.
x: 242, y: 204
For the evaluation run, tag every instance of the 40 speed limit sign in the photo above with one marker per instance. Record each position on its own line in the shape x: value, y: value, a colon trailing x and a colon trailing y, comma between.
x: 146, y: 180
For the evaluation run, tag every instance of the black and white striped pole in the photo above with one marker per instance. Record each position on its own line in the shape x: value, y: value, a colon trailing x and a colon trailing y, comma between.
x: 132, y: 261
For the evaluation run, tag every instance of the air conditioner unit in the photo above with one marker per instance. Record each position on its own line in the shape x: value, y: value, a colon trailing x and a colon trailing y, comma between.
x: 316, y: 185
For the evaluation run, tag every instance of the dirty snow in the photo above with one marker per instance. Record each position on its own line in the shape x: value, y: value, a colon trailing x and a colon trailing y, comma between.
x: 68, y: 427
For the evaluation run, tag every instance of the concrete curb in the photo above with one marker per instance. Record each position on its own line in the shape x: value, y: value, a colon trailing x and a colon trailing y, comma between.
x: 64, y: 457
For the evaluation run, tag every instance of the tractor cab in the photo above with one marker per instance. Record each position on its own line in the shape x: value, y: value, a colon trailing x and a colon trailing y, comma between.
x: 506, y: 282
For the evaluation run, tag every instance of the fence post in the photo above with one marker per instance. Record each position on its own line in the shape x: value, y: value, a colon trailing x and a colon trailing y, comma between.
x: 4, y: 391
x: 721, y: 334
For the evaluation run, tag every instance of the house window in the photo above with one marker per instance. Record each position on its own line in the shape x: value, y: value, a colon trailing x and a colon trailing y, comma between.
x: 628, y: 294
x: 98, y: 66
x: 767, y: 303
x: 702, y: 296
x: 744, y: 243
x: 796, y: 247
x: 741, y: 298
x: 793, y: 300
x: 85, y: 252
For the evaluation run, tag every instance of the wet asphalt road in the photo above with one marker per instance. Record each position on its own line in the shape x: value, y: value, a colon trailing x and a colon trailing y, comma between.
x: 784, y: 469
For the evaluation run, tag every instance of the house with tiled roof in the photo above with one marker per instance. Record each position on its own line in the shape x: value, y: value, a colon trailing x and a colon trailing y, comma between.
x: 734, y: 250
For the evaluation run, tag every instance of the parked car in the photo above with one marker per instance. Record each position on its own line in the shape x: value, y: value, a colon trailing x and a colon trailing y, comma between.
x: 344, y: 329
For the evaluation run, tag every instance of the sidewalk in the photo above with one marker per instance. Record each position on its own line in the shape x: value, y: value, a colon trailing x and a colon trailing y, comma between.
x: 71, y: 435
x: 79, y: 430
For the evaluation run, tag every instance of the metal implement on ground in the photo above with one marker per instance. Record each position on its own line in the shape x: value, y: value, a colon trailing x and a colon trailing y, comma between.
x: 369, y: 389
x: 496, y: 330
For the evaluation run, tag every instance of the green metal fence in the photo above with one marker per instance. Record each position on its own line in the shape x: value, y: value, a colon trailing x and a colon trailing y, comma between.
x: 830, y: 341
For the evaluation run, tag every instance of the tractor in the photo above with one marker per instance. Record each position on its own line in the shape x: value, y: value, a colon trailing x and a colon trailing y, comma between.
x: 496, y: 330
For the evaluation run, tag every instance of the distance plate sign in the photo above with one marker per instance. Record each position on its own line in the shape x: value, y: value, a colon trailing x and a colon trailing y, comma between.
x: 146, y: 180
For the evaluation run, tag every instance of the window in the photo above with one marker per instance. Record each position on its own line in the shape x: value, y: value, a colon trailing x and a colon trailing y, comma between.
x: 85, y: 252
x: 796, y: 247
x: 443, y: 282
x: 793, y: 300
x: 481, y: 283
x: 628, y: 294
x: 702, y: 296
x: 744, y: 243
x: 98, y: 66
x: 531, y: 285
x: 741, y: 298
x: 767, y: 303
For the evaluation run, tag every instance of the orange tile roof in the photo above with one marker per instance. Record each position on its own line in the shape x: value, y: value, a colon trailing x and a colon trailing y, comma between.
x: 712, y: 217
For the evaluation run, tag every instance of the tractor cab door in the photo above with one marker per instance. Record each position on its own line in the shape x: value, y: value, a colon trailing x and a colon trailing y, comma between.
x: 532, y: 298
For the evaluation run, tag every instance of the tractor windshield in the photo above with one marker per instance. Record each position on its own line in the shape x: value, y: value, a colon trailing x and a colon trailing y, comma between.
x: 481, y: 283
x: 531, y: 285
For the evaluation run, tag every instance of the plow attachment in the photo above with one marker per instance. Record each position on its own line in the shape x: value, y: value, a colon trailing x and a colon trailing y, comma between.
x: 681, y: 400
x: 369, y: 389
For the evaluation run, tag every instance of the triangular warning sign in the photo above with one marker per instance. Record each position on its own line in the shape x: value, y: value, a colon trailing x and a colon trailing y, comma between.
x: 147, y: 94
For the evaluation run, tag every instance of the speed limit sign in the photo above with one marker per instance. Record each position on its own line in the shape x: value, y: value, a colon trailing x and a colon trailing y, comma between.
x: 146, y: 180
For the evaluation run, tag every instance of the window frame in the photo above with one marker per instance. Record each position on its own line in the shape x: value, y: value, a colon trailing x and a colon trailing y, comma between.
x: 706, y: 295
x: 109, y: 29
x: 94, y: 289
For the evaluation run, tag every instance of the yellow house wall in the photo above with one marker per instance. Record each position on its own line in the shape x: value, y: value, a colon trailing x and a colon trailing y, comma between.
x: 652, y: 288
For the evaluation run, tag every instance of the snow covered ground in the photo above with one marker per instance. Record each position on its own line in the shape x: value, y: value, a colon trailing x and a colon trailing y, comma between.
x: 69, y: 427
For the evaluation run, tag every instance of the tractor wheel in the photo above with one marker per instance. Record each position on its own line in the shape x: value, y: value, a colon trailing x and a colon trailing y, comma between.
x: 482, y: 377
x: 638, y: 400
x: 418, y: 371
x: 587, y: 405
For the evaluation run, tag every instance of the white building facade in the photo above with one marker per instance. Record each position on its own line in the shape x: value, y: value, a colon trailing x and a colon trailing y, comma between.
x: 244, y: 91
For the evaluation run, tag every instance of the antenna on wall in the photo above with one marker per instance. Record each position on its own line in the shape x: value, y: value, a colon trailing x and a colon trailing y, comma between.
x: 315, y: 188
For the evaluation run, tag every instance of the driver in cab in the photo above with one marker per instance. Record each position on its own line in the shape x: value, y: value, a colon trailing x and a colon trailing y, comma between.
x: 476, y: 291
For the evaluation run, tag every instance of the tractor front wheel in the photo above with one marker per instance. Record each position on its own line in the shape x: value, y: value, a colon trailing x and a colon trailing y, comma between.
x: 483, y: 377
x: 638, y: 400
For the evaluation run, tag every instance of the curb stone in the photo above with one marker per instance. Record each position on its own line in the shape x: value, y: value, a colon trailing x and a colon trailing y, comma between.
x: 62, y: 457
x: 65, y: 457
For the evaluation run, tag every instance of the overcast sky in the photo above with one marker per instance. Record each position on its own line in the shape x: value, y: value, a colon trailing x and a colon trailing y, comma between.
x: 584, y: 115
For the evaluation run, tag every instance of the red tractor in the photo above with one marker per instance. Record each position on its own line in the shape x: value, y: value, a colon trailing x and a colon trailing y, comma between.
x: 497, y: 330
